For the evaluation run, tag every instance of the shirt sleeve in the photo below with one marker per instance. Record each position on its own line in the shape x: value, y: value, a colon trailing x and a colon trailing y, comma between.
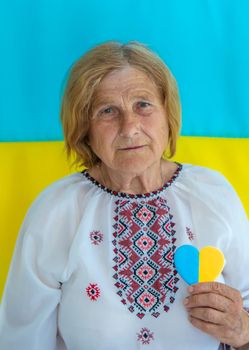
x: 224, y: 206
x: 221, y: 220
x: 236, y: 254
x: 28, y: 313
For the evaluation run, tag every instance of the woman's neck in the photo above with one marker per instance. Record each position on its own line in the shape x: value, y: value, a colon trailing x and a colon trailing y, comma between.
x: 149, y: 180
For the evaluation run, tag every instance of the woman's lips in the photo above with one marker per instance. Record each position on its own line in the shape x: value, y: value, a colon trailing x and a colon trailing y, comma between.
x: 131, y: 148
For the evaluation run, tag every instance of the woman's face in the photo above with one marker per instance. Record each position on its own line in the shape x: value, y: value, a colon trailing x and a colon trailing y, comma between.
x: 129, y: 129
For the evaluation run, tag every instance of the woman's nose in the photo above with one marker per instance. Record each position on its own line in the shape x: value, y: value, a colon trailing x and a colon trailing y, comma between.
x: 129, y: 124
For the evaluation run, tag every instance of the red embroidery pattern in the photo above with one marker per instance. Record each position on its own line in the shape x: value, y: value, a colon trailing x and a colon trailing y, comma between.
x: 93, y: 291
x: 96, y: 237
x: 190, y: 234
x: 145, y: 336
x: 144, y: 247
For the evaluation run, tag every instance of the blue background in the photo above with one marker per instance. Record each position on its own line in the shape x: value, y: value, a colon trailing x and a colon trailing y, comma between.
x: 204, y: 43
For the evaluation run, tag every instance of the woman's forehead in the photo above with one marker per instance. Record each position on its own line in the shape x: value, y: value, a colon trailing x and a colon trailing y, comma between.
x: 127, y: 81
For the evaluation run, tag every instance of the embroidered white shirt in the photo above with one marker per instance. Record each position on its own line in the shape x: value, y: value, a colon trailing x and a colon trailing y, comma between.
x: 93, y: 269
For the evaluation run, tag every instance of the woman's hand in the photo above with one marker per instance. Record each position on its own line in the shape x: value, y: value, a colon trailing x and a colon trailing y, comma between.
x: 217, y: 309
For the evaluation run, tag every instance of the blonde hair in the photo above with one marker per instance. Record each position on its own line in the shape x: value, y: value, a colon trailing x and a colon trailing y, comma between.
x: 84, y: 79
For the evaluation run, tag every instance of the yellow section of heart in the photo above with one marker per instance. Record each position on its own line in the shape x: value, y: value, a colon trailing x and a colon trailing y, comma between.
x: 211, y: 264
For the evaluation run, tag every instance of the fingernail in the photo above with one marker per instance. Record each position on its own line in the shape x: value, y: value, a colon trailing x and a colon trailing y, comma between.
x: 185, y: 301
x: 190, y: 289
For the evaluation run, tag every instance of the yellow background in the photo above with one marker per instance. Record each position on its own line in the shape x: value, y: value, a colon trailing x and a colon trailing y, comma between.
x: 28, y: 167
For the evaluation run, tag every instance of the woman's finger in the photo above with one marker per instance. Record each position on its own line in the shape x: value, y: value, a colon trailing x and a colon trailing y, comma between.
x: 218, y: 288
x: 213, y: 316
x: 211, y: 300
x: 220, y: 332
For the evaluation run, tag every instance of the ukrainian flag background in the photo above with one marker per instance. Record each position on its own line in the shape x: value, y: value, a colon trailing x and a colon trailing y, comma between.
x: 205, y: 44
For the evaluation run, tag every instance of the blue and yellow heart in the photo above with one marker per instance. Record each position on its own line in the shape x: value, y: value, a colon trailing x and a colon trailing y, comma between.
x: 198, y: 266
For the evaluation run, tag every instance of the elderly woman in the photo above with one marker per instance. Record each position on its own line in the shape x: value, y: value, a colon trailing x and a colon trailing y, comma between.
x: 93, y: 266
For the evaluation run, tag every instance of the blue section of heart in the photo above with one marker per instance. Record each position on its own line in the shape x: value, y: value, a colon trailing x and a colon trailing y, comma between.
x: 186, y: 260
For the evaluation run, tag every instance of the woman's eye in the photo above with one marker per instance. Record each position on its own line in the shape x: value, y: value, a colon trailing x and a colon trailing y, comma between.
x: 107, y: 110
x: 144, y: 108
x: 143, y: 104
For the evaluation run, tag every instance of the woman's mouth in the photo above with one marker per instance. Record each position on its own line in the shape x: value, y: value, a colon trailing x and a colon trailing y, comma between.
x: 131, y: 148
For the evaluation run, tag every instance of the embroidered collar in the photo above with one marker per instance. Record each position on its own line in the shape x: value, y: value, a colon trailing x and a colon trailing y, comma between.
x: 129, y: 195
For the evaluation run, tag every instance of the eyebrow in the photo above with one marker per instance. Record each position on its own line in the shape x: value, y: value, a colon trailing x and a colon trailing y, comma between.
x: 102, y: 102
x: 144, y: 96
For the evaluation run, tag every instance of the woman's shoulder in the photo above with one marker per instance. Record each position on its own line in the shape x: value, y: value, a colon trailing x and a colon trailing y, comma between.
x: 60, y: 195
x: 62, y: 187
x: 204, y: 175
x: 204, y: 184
